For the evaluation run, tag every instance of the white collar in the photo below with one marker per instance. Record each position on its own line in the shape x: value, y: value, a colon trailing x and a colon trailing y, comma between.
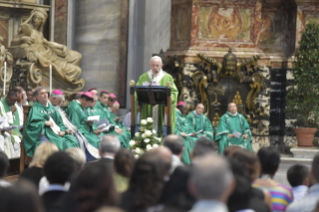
x: 108, y: 156
x: 233, y: 114
x: 158, y: 77
x: 196, y: 114
x: 55, y: 187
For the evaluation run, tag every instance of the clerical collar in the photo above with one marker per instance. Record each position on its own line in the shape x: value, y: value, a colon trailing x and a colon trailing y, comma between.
x: 196, y: 114
x: 156, y: 78
x: 233, y: 114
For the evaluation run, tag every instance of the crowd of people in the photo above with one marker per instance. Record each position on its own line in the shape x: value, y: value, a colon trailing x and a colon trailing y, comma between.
x: 158, y: 181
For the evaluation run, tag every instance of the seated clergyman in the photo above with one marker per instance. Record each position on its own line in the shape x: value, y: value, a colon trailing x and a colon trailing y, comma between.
x: 77, y: 112
x: 10, y: 138
x: 44, y: 123
x: 200, y: 122
x: 233, y: 130
x: 56, y: 99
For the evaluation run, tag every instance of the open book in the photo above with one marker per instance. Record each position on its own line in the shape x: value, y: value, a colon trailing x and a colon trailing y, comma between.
x: 104, y: 125
x: 199, y: 131
x: 93, y: 119
x: 236, y: 134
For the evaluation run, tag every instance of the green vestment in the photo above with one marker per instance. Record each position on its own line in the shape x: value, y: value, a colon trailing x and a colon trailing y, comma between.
x: 35, y: 126
x: 105, y: 112
x: 201, y: 123
x: 147, y: 109
x: 229, y: 123
x: 182, y: 125
x: 78, y: 116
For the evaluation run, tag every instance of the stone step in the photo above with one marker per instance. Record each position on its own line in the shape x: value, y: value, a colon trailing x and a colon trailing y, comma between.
x: 304, y: 152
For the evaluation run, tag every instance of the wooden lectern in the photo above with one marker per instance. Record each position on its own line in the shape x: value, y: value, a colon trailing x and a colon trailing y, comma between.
x: 153, y: 95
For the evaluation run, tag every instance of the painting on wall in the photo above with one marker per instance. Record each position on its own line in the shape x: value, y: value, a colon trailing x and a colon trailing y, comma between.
x: 225, y: 23
x: 272, y: 28
x: 4, y: 24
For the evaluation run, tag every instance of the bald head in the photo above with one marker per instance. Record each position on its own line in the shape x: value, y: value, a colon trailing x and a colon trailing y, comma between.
x: 156, y: 65
x: 200, y: 109
x: 232, y: 108
x: 166, y: 157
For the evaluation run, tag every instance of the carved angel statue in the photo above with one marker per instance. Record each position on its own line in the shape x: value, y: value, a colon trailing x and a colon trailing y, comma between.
x: 5, y: 56
x: 30, y: 44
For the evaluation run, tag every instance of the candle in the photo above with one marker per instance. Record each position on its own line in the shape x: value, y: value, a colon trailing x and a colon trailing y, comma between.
x: 4, y: 78
x: 50, y: 78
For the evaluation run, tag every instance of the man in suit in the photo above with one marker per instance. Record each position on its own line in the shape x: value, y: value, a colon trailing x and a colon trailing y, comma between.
x: 211, y: 182
x: 58, y: 169
x: 175, y: 143
x: 109, y: 145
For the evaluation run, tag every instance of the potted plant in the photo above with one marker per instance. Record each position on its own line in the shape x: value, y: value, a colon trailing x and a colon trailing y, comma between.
x: 303, y: 93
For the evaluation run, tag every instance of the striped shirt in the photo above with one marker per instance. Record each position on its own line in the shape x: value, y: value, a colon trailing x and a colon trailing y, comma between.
x: 281, y: 196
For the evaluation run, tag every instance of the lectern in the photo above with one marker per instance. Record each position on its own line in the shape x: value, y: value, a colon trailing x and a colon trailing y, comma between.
x: 153, y: 95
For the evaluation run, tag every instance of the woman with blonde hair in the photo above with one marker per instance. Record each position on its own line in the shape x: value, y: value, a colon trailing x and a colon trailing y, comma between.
x: 34, y: 173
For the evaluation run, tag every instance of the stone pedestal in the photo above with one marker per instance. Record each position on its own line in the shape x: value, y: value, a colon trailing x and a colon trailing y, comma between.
x: 304, y: 152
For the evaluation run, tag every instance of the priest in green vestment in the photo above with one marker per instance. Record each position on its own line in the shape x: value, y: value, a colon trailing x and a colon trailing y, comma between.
x: 78, y: 116
x: 10, y: 138
x: 184, y: 129
x: 158, y: 76
x: 200, y: 122
x: 104, y: 111
x: 233, y: 130
x: 44, y: 123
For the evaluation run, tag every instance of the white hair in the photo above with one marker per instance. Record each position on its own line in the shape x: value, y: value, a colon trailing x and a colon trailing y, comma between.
x: 110, y: 144
x: 156, y: 58
x: 57, y: 96
x: 211, y: 176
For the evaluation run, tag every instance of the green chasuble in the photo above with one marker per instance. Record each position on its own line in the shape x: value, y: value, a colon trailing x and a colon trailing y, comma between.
x: 105, y: 112
x: 35, y: 126
x: 147, y: 110
x: 182, y: 125
x: 227, y: 125
x: 201, y: 123
x: 78, y: 116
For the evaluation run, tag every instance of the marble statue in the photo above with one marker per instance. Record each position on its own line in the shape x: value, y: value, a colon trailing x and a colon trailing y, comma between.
x: 5, y: 56
x: 29, y: 44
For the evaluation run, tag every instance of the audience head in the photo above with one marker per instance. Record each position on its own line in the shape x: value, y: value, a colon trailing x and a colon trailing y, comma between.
x: 20, y: 92
x: 29, y: 95
x: 124, y: 162
x: 230, y: 150
x: 165, y: 157
x: 269, y: 158
x: 59, y: 168
x: 156, y: 64
x: 298, y: 175
x: 250, y: 161
x: 109, y: 145
x: 93, y: 188
x: 104, y: 96
x: 41, y: 95
x: 315, y: 169
x: 56, y: 98
x: 21, y: 197
x: 4, y: 164
x: 202, y: 147
x: 182, y: 107
x: 232, y: 108
x: 78, y: 156
x: 42, y: 152
x: 211, y: 178
x: 200, y: 108
x: 86, y: 99
x: 12, y: 97
x: 176, y: 193
x: 174, y: 143
x: 147, y: 181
